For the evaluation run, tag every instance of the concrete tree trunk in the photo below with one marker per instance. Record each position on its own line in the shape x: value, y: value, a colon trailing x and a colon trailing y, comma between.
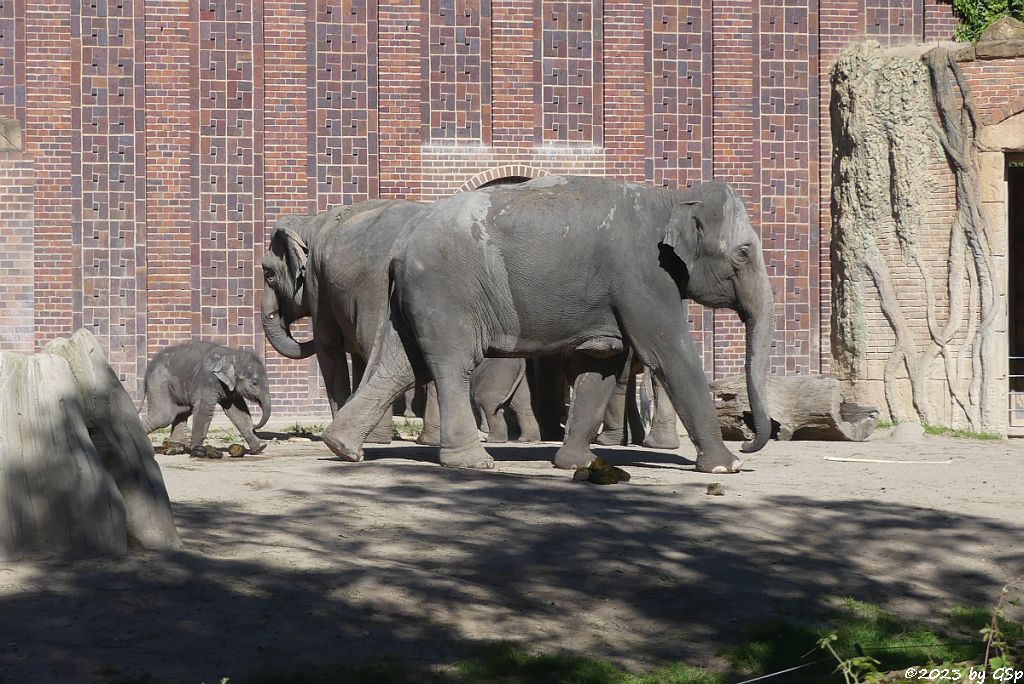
x: 77, y: 474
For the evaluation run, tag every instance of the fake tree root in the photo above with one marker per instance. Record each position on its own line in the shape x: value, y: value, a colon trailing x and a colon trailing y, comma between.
x: 884, y: 107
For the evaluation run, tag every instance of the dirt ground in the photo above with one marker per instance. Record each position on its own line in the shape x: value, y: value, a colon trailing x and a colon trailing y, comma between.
x: 293, y: 558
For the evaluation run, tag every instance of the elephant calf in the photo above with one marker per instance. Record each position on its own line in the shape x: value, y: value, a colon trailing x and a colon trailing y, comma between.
x: 190, y: 379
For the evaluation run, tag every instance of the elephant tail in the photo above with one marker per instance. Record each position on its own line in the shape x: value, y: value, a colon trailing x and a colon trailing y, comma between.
x: 645, y: 403
x: 514, y: 387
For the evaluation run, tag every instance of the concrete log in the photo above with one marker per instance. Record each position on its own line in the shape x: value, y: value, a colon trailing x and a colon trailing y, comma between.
x: 801, y: 407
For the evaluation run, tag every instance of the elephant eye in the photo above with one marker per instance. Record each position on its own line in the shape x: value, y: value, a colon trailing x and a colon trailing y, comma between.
x: 268, y: 276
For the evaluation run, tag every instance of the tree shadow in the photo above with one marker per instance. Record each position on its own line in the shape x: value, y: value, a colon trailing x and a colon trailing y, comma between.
x: 426, y: 564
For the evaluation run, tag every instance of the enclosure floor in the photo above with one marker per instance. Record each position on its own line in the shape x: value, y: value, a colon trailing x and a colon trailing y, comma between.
x: 293, y: 558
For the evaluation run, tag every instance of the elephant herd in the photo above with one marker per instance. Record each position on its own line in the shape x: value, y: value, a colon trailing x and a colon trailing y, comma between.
x: 579, y: 274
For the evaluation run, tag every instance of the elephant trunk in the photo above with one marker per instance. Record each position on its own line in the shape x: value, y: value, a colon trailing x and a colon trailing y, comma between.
x: 279, y: 335
x: 264, y: 402
x: 760, y: 330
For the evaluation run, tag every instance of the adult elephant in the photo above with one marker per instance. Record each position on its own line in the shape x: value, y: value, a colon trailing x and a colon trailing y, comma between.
x: 586, y: 266
x: 332, y: 267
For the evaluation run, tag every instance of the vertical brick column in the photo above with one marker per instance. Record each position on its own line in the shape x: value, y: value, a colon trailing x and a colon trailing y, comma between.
x: 48, y: 141
x: 228, y: 163
x: 456, y: 82
x: 12, y: 60
x: 570, y: 82
x: 736, y: 152
x: 627, y: 55
x: 894, y: 23
x: 16, y: 266
x: 788, y: 219
x: 171, y: 39
x: 287, y: 48
x: 341, y: 102
x: 679, y: 128
x: 400, y: 58
x: 513, y: 110
x: 108, y: 179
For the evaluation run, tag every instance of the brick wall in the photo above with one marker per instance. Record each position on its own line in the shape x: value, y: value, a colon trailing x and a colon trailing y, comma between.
x: 16, y: 258
x: 165, y: 138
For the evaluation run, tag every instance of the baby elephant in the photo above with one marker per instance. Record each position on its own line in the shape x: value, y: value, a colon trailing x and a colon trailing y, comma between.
x: 189, y: 379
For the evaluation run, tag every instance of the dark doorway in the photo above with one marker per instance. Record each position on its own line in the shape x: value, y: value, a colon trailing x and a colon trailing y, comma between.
x: 506, y: 180
x: 1015, y: 284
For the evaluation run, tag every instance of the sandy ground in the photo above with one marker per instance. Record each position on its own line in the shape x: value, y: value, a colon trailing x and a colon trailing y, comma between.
x: 293, y: 558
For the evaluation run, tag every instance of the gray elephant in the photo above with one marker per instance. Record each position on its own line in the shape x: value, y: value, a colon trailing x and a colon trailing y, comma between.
x: 190, y: 379
x: 333, y: 267
x: 585, y: 266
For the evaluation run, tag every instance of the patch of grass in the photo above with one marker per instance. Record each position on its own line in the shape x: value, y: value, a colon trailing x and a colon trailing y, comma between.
x: 767, y: 648
x: 897, y: 643
x: 307, y: 431
x: 884, y: 424
x: 958, y: 432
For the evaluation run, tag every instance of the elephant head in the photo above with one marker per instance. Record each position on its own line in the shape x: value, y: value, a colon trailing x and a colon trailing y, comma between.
x: 284, y: 278
x: 710, y: 232
x: 245, y: 375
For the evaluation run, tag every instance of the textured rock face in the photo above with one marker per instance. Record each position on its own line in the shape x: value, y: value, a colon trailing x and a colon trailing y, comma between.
x: 914, y: 305
x: 77, y: 473
x: 1003, y: 28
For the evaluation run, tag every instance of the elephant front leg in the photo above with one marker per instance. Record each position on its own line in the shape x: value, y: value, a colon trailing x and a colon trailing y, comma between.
x: 238, y: 413
x: 389, y: 374
x: 497, y: 424
x: 330, y: 355
x: 593, y: 389
x: 663, y: 434
x: 384, y: 431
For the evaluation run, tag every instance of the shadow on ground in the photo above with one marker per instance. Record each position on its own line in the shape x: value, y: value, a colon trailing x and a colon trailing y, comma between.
x: 425, y: 564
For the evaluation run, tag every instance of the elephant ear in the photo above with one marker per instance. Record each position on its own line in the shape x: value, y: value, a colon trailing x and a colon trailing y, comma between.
x: 684, y: 231
x: 286, y: 241
x: 224, y: 371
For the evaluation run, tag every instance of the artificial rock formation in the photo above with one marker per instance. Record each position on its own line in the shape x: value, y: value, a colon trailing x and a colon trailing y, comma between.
x: 901, y: 120
x: 77, y: 472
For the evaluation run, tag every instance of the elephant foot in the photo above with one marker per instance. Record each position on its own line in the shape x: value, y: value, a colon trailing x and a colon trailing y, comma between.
x: 499, y: 439
x: 611, y: 438
x: 718, y: 464
x: 529, y: 437
x: 344, y: 446
x: 470, y: 456
x: 257, y: 447
x: 429, y: 437
x: 568, y: 458
x: 662, y: 440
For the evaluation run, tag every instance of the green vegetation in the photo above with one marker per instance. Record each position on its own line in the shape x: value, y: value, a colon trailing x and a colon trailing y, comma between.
x: 957, y: 432
x: 407, y: 428
x: 856, y: 642
x: 976, y: 15
x: 884, y: 425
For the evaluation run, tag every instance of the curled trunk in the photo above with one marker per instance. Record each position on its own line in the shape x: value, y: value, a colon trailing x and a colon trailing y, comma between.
x: 280, y: 337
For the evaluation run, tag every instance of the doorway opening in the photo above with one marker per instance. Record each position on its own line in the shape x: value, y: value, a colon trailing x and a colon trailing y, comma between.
x: 1015, y: 285
x: 504, y: 180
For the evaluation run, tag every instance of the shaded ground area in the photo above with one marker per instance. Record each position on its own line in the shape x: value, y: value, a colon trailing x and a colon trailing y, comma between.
x: 295, y: 559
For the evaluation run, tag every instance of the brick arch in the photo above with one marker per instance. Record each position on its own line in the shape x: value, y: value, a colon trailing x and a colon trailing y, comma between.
x: 501, y: 172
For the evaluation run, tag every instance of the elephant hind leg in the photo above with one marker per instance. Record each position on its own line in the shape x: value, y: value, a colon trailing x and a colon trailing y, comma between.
x: 521, y: 406
x: 593, y: 388
x: 460, y: 440
x: 663, y: 434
